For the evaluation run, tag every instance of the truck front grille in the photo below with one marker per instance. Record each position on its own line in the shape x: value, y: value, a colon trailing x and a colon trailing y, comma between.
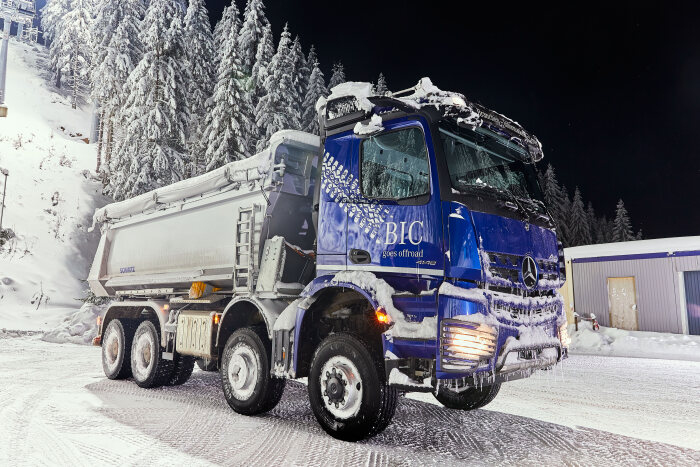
x: 465, y: 345
x: 504, y: 269
x: 518, y: 312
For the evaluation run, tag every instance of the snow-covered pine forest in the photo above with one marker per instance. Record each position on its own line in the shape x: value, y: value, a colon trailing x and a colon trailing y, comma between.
x: 176, y: 98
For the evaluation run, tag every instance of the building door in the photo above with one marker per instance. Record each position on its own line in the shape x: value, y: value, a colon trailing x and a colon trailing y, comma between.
x: 692, y: 300
x: 622, y: 299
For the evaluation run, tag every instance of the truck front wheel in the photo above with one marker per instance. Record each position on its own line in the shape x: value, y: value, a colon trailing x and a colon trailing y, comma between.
x: 245, y: 373
x: 348, y: 395
x: 116, y: 349
x: 469, y: 399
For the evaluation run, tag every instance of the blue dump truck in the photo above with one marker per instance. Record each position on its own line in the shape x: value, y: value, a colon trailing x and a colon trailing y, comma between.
x: 406, y: 249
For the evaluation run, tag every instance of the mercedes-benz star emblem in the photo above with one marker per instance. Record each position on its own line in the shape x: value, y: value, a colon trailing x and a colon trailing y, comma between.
x: 529, y: 271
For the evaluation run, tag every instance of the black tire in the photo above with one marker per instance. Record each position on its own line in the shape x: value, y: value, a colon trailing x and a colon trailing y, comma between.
x: 361, y: 413
x: 207, y: 365
x: 116, y: 349
x: 247, y: 355
x: 148, y: 367
x: 469, y: 399
x: 183, y: 365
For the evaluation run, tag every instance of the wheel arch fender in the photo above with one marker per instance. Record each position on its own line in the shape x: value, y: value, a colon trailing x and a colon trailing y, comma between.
x: 246, y: 311
x: 136, y: 310
x: 322, y: 287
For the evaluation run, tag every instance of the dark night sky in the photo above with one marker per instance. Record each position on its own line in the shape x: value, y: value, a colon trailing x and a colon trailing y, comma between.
x: 612, y: 91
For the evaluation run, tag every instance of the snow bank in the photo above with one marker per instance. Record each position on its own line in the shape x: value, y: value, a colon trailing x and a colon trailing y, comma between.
x: 51, y: 195
x: 620, y: 343
x: 78, y: 328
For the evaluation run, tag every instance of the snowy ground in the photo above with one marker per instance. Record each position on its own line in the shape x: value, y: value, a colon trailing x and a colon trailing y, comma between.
x: 598, y: 411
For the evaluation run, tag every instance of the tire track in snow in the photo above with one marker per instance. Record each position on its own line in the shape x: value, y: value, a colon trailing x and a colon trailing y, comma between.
x: 421, y: 433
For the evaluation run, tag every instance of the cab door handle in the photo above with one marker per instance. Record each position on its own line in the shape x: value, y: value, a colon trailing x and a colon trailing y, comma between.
x: 360, y: 256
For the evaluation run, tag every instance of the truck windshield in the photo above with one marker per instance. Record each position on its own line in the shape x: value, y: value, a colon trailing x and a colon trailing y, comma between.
x: 481, y: 160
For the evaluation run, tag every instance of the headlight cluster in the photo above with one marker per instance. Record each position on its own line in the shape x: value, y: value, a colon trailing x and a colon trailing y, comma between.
x: 464, y: 345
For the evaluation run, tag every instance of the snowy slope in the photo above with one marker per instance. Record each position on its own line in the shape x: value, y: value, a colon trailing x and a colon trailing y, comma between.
x: 50, y: 197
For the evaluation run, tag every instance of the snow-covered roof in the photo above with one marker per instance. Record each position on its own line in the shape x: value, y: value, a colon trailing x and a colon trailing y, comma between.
x: 668, y: 246
x: 452, y: 104
x: 245, y: 170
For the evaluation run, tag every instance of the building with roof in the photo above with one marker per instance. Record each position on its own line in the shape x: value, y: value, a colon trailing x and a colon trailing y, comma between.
x: 645, y: 285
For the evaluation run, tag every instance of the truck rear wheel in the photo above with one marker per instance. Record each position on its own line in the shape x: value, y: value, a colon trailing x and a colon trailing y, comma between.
x: 148, y: 367
x: 348, y: 395
x: 207, y: 365
x: 245, y: 373
x: 469, y: 399
x: 116, y: 349
x: 183, y: 365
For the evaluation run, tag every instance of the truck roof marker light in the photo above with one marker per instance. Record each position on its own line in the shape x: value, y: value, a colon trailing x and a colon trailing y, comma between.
x: 382, y: 317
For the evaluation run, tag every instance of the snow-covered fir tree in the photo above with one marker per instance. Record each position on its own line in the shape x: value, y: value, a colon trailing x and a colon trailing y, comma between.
x: 230, y: 20
x: 316, y: 89
x: 277, y: 110
x: 556, y: 200
x: 592, y: 220
x: 251, y: 33
x: 263, y: 56
x: 51, y: 15
x: 381, y: 87
x: 301, y: 75
x: 116, y: 51
x: 338, y: 76
x: 152, y: 152
x: 201, y: 60
x: 579, y: 227
x: 622, y: 226
x: 71, y: 52
x: 265, y: 52
x: 226, y: 119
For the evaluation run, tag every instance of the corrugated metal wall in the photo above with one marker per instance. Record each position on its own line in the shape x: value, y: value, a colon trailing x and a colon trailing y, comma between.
x: 656, y: 281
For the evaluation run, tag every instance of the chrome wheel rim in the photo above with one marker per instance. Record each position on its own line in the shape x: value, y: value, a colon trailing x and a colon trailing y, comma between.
x: 242, y: 371
x: 341, y: 387
x: 111, y: 348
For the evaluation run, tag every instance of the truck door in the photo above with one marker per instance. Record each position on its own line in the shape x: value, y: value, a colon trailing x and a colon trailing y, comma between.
x: 394, y: 223
x: 335, y: 192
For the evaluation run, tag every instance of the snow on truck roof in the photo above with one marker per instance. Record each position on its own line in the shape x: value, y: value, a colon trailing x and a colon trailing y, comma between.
x: 453, y: 105
x: 639, y: 249
x: 252, y: 168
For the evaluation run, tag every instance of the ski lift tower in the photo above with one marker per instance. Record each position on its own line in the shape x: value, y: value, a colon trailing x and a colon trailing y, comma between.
x: 23, y: 13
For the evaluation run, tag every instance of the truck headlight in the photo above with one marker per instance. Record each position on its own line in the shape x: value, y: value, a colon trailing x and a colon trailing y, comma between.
x: 465, y: 345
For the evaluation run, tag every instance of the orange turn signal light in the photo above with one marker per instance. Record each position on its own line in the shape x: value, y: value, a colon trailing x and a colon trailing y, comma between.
x: 382, y: 317
x: 216, y: 318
